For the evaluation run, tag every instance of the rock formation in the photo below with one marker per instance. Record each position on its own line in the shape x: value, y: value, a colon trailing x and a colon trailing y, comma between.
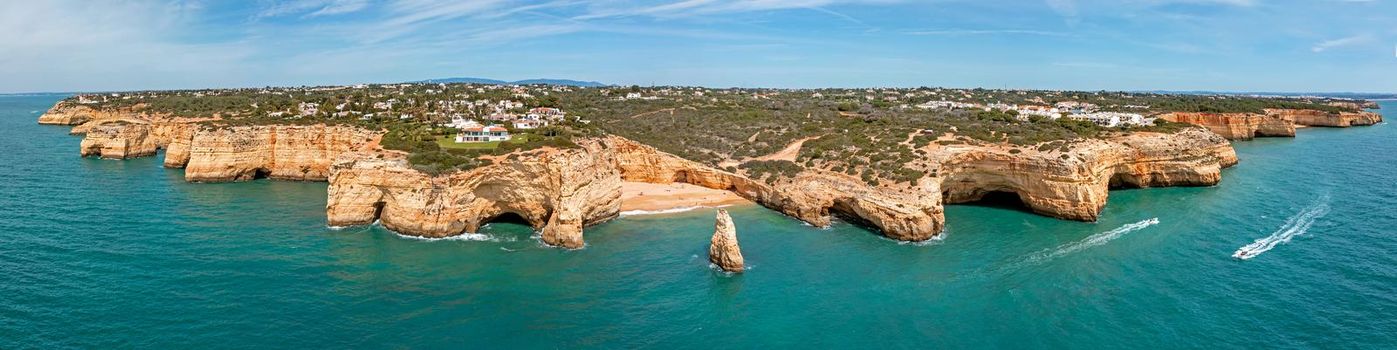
x: 1310, y: 117
x: 65, y: 113
x: 1074, y: 184
x: 286, y: 152
x: 722, y: 249
x: 119, y: 139
x: 556, y: 191
x: 1236, y: 126
x: 561, y: 191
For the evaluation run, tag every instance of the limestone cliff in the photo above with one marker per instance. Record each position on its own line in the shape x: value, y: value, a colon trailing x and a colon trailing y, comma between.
x: 119, y: 139
x: 214, y: 153
x: 1236, y: 126
x: 66, y: 113
x: 723, y: 250
x: 287, y: 152
x: 1074, y: 184
x: 812, y: 196
x: 556, y: 191
x: 1310, y: 117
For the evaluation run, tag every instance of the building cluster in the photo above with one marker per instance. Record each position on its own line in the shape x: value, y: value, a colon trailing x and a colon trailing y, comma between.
x: 1066, y: 109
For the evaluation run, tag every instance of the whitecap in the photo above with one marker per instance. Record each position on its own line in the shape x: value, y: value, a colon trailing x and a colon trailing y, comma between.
x: 473, y: 237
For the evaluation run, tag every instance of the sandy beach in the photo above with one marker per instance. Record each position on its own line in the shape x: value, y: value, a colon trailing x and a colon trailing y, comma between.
x: 640, y: 196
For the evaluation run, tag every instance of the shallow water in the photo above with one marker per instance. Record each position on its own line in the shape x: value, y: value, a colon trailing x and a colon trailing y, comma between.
x: 125, y: 254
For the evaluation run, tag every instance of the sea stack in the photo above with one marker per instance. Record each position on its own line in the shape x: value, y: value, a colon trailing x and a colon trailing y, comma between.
x: 723, y: 251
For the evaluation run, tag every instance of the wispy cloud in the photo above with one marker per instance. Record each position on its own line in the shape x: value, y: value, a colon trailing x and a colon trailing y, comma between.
x: 968, y: 32
x: 311, y: 8
x: 1343, y: 42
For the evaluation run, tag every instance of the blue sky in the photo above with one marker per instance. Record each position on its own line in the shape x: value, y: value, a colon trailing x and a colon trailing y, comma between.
x: 1239, y: 45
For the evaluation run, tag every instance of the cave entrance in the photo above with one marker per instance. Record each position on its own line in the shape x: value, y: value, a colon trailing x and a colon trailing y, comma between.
x: 509, y: 218
x: 843, y: 209
x: 1000, y: 200
x: 378, y: 210
x: 508, y: 225
x: 261, y: 173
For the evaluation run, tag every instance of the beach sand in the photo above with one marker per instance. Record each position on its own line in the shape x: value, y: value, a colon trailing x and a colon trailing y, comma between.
x: 640, y: 196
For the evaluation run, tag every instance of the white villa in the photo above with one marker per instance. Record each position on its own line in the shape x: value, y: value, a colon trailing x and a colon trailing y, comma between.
x: 460, y: 122
x: 1111, y: 119
x: 490, y: 133
x: 529, y: 123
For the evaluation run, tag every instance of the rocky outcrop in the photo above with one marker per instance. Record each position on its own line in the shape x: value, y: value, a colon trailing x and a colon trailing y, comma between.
x: 285, y: 152
x: 812, y: 196
x: 722, y: 249
x: 1236, y: 126
x: 119, y: 139
x: 1074, y: 184
x: 65, y: 113
x: 213, y: 153
x: 1310, y: 117
x: 558, y: 192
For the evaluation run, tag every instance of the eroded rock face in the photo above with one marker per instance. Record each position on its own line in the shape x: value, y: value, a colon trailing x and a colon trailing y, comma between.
x: 1236, y: 126
x: 1309, y: 117
x: 558, y: 192
x: 1075, y: 184
x: 64, y: 113
x: 119, y: 139
x: 812, y: 196
x: 286, y: 152
x: 723, y: 250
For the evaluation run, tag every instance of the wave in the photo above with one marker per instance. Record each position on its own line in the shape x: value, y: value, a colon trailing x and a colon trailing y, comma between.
x: 473, y: 237
x: 1295, y: 225
x: 1091, y: 241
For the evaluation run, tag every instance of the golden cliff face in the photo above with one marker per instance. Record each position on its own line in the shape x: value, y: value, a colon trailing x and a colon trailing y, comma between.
x: 119, y: 139
x: 1236, y: 126
x: 65, y: 113
x: 1075, y: 184
x: 812, y: 196
x: 1309, y: 117
x: 220, y: 153
x: 285, y: 152
x: 556, y: 191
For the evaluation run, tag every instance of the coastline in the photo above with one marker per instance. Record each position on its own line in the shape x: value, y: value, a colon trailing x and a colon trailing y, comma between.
x: 641, y: 198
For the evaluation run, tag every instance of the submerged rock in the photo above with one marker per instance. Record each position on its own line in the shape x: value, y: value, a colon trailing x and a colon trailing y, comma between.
x: 723, y: 250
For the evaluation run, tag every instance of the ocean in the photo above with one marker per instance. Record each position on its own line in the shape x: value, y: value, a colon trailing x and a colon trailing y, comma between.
x: 125, y: 254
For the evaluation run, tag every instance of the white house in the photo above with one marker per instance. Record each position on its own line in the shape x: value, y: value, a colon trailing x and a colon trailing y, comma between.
x: 529, y: 123
x: 460, y: 122
x: 490, y: 133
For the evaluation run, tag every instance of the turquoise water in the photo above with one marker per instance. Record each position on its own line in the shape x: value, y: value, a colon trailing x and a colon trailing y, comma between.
x: 125, y: 254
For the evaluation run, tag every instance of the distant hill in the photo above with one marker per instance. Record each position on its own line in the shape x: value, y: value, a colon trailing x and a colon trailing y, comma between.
x: 1351, y: 95
x: 466, y: 80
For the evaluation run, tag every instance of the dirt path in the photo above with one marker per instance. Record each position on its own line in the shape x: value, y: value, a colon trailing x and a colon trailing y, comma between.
x: 789, y: 153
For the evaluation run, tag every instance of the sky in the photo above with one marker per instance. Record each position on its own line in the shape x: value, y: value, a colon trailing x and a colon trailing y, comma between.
x: 1223, y: 45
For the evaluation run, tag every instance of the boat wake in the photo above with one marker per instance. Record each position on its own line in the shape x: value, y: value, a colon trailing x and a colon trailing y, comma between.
x: 1091, y: 241
x: 1296, y: 225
